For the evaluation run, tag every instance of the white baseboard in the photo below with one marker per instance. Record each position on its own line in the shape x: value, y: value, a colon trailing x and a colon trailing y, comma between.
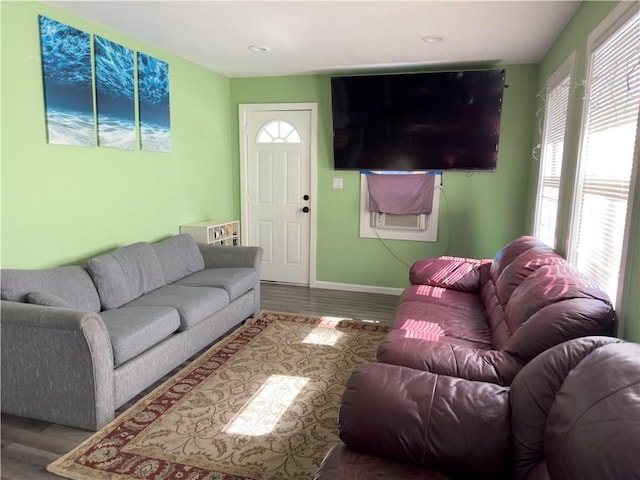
x: 357, y: 288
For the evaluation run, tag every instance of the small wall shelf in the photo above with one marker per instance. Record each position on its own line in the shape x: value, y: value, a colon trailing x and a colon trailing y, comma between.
x: 217, y: 232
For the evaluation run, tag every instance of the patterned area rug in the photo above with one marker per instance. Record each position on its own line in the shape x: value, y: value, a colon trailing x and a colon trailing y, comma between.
x: 261, y: 404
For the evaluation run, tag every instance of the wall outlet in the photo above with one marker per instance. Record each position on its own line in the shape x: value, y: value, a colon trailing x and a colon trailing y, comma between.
x: 337, y: 183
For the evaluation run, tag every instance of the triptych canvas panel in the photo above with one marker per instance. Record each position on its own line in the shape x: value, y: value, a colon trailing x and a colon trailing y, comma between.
x: 69, y: 92
x: 153, y: 94
x: 115, y: 91
x: 67, y: 77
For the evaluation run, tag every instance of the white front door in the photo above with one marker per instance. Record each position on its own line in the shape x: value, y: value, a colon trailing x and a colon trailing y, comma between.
x: 278, y: 199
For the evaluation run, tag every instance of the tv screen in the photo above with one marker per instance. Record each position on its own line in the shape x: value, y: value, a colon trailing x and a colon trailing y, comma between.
x: 418, y: 121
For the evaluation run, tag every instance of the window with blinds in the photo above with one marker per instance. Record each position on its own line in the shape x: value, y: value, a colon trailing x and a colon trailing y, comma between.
x: 603, y: 188
x: 552, y: 155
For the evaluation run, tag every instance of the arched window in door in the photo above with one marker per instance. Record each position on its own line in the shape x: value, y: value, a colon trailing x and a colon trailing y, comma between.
x: 278, y: 131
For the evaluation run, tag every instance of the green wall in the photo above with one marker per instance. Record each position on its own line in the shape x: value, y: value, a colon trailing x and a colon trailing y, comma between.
x: 64, y: 204
x: 481, y: 213
x: 574, y: 39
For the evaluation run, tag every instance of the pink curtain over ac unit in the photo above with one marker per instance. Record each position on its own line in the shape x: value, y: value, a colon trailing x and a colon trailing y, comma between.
x: 401, y: 194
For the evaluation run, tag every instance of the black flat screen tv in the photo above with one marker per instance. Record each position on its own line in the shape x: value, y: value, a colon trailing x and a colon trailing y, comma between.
x: 417, y: 121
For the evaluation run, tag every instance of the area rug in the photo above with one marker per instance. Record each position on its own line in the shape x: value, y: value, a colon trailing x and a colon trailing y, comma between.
x: 262, y: 404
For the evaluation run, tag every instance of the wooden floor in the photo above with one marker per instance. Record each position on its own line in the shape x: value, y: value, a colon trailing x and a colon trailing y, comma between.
x: 338, y: 303
x: 29, y: 445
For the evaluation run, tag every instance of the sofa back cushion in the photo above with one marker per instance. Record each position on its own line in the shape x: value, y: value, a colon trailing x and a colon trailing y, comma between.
x: 510, y: 267
x: 521, y: 267
x: 511, y: 251
x: 71, y: 284
x: 554, y: 304
x: 179, y: 256
x: 574, y: 411
x: 125, y: 274
x: 594, y: 421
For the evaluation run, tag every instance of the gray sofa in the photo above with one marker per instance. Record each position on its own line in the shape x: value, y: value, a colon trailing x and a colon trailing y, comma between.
x: 80, y: 341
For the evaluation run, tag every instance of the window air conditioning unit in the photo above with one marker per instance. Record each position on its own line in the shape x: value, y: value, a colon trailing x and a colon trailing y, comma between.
x: 398, y: 222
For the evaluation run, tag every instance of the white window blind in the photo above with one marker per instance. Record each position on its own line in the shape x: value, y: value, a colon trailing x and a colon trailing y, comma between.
x: 607, y: 157
x: 551, y: 159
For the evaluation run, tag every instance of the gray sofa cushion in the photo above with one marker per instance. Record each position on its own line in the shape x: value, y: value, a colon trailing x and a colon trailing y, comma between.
x: 47, y: 300
x: 133, y: 330
x: 179, y: 256
x: 235, y: 281
x: 194, y: 304
x: 72, y: 284
x: 125, y: 274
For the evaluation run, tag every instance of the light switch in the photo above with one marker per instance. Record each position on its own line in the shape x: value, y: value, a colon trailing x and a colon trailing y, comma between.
x: 337, y: 183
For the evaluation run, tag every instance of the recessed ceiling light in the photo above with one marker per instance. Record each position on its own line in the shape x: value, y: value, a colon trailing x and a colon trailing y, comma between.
x: 259, y: 48
x: 432, y: 39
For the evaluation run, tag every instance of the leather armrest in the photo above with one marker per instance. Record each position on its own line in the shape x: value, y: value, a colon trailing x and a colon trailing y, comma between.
x: 430, y: 420
x: 447, y: 272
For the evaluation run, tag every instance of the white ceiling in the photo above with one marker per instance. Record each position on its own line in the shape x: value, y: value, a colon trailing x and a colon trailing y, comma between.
x: 335, y: 36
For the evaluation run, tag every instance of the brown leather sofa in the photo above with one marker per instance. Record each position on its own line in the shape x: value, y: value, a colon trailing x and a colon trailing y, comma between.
x: 573, y: 412
x: 485, y: 319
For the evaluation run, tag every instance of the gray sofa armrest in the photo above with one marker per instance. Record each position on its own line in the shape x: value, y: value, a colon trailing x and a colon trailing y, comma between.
x: 57, y: 365
x: 224, y: 256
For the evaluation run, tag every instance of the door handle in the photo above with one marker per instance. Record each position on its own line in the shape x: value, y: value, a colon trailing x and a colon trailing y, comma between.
x: 306, y: 197
x: 305, y: 209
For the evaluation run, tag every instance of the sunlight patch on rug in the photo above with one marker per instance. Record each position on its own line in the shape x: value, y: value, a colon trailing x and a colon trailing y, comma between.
x: 261, y: 414
x: 325, y: 333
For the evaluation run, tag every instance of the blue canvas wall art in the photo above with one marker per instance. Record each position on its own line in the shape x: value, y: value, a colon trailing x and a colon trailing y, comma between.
x: 115, y: 95
x: 66, y: 73
x: 155, y: 111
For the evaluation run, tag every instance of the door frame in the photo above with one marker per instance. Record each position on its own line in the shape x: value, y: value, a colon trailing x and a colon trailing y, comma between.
x: 243, y: 111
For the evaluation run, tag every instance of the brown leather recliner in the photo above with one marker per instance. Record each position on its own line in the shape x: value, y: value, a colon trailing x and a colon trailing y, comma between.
x: 571, y: 413
x: 485, y: 319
